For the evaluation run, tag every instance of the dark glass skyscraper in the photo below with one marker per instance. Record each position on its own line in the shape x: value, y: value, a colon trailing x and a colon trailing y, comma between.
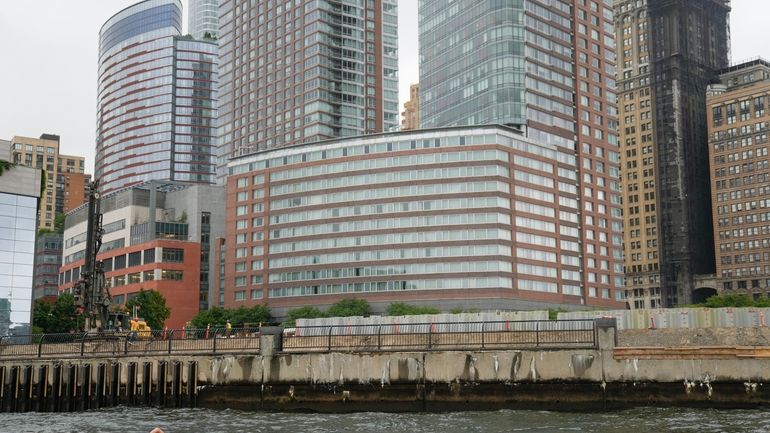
x: 156, y: 118
x: 671, y: 50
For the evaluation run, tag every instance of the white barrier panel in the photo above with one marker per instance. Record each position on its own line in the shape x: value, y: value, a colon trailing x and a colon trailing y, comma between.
x: 424, y: 323
x: 679, y: 317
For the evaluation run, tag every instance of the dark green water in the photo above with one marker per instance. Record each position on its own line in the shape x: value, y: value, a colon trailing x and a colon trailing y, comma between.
x: 140, y: 420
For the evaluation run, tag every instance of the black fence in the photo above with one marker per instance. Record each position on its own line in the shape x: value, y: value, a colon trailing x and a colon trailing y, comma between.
x: 171, y: 341
x: 341, y: 338
x: 442, y: 336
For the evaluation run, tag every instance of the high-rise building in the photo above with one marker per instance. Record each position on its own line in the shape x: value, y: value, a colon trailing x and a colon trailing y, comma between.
x: 157, y: 236
x: 48, y: 256
x: 203, y: 19
x: 739, y: 122
x: 75, y: 190
x: 463, y: 217
x: 670, y: 51
x: 19, y: 195
x: 156, y: 118
x: 297, y: 72
x: 411, y: 114
x: 548, y: 69
x: 43, y: 153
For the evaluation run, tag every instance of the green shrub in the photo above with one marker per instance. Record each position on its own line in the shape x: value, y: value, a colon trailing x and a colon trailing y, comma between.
x: 402, y: 309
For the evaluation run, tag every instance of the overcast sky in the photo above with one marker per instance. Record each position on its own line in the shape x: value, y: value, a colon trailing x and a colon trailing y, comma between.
x: 48, y: 55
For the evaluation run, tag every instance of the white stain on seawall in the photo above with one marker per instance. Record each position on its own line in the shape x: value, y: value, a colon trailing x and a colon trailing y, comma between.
x: 750, y: 387
x: 385, y: 374
x: 532, y: 370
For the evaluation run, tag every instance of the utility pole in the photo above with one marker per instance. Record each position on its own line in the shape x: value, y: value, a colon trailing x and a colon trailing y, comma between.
x: 91, y: 292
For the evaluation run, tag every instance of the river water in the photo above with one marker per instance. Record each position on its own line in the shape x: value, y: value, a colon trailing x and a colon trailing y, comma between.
x: 142, y: 420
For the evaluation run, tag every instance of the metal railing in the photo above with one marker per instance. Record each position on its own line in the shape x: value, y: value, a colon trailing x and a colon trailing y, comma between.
x: 554, y: 334
x: 443, y: 336
x: 170, y: 341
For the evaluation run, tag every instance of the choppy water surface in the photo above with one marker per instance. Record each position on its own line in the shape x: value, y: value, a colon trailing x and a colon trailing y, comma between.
x: 143, y: 420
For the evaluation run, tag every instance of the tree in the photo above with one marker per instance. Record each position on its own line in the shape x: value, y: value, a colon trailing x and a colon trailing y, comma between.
x: 58, y: 223
x: 58, y: 317
x: 214, y: 316
x: 306, y: 312
x: 343, y: 308
x: 152, y: 307
x: 5, y: 165
x: 734, y: 300
x: 553, y: 313
x: 254, y: 315
x: 402, y: 309
x: 43, y: 232
x: 218, y: 317
x: 349, y: 307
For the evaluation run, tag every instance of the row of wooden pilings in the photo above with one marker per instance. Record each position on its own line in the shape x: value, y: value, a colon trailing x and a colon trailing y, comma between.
x: 69, y: 387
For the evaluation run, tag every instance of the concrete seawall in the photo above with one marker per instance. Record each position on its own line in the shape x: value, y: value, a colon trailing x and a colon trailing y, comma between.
x: 605, y: 377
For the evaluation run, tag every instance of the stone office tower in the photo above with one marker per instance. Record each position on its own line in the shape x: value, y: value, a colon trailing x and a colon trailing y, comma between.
x: 297, y: 72
x: 669, y: 51
x: 739, y: 123
x: 548, y: 69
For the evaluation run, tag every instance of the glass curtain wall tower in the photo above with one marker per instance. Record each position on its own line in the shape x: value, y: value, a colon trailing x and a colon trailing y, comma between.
x: 156, y: 118
x: 203, y: 18
x: 294, y: 72
x: 546, y: 67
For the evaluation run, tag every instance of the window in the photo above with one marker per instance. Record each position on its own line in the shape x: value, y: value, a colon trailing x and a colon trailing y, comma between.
x: 120, y: 262
x: 134, y: 278
x: 148, y: 275
x: 149, y: 256
x: 173, y: 255
x: 168, y: 274
x: 135, y: 258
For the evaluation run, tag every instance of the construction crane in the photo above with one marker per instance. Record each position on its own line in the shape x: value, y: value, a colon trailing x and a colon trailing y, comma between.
x: 91, y: 292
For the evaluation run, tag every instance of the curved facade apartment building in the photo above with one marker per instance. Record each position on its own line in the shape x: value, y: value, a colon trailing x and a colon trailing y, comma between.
x: 155, y: 103
x: 473, y: 217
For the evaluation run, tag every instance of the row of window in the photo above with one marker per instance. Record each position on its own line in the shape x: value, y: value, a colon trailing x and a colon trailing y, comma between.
x: 391, y: 239
x: 745, y: 258
x: 151, y: 275
x: 393, y: 192
x: 390, y: 177
x: 741, y: 194
x: 745, y: 219
x: 392, y: 286
x: 338, y: 152
x: 387, y: 208
x: 392, y: 223
x: 393, y: 254
x: 136, y: 258
x: 372, y: 271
